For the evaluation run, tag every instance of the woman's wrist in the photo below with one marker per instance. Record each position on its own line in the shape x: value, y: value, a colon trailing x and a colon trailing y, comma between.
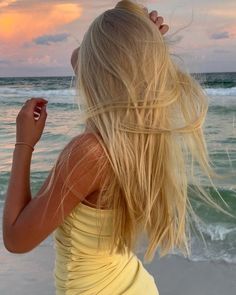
x: 25, y: 145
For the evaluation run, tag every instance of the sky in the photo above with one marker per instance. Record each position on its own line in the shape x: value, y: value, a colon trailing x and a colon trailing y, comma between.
x: 37, y: 37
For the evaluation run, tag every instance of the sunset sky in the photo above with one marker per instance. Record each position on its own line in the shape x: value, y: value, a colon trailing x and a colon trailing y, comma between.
x: 38, y: 36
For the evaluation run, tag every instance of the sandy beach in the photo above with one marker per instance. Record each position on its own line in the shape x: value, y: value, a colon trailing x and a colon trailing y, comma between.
x: 32, y: 273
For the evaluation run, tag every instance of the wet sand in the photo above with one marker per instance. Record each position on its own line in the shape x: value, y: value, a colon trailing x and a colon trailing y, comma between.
x: 32, y: 273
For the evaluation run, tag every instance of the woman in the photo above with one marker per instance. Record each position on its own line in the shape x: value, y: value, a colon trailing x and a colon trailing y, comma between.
x: 126, y: 174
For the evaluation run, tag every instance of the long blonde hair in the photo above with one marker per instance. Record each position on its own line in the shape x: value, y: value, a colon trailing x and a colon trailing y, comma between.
x: 147, y: 115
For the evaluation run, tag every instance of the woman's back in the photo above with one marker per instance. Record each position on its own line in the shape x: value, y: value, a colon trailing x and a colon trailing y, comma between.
x: 91, y: 201
x: 81, y: 269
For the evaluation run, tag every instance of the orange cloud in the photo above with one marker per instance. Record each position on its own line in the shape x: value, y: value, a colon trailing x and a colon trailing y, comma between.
x: 224, y: 12
x: 232, y: 31
x: 5, y: 3
x: 25, y: 25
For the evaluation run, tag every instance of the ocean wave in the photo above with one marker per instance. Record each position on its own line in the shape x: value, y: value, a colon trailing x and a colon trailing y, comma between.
x: 20, y: 93
x: 26, y: 92
x: 218, y: 246
x: 220, y: 109
x: 221, y: 91
x: 57, y: 103
x: 217, y: 231
x: 220, y: 256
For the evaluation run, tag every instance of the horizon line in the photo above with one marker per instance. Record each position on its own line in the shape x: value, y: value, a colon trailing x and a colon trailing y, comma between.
x: 70, y: 76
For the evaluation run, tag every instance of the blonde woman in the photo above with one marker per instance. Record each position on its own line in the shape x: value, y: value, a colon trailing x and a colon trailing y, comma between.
x: 126, y: 174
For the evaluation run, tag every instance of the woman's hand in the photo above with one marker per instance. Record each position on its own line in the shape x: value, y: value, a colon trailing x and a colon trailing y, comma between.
x: 74, y: 59
x: 158, y: 21
x: 29, y: 126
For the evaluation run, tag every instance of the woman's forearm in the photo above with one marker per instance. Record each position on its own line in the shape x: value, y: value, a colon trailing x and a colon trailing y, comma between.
x: 18, y: 193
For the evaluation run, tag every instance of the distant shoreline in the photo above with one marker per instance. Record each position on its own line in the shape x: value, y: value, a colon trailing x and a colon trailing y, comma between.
x: 69, y: 76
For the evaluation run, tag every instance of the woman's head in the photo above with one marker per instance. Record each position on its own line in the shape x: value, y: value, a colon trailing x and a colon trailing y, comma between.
x: 122, y: 52
x: 149, y: 116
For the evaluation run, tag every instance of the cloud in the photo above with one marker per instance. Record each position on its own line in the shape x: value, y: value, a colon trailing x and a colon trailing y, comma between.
x: 31, y: 4
x: 220, y: 35
x: 228, y: 12
x: 48, y: 39
x: 223, y: 51
x: 19, y: 26
x: 24, y: 5
x: 6, y: 3
x: 44, y: 60
x: 4, y: 62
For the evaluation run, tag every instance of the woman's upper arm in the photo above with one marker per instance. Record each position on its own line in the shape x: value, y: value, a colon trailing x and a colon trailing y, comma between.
x: 47, y: 210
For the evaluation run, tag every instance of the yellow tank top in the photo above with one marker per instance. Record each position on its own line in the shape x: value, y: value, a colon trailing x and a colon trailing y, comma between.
x: 80, y: 269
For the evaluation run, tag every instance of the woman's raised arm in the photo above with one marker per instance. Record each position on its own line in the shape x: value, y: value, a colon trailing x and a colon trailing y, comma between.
x: 47, y: 210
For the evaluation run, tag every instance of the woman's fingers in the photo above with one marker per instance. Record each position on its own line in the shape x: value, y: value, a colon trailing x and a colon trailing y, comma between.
x: 159, y: 21
x: 153, y: 15
x: 164, y: 29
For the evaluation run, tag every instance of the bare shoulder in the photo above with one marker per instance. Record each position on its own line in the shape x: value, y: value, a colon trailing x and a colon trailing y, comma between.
x: 84, y: 156
x: 85, y: 143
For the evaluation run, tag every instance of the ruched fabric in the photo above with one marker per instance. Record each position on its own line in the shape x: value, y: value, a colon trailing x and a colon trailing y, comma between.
x: 81, y: 269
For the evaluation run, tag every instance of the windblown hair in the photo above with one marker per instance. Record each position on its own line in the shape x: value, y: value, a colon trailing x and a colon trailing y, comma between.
x: 147, y: 115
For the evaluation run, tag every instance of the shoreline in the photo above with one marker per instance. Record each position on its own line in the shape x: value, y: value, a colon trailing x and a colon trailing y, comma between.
x: 32, y: 273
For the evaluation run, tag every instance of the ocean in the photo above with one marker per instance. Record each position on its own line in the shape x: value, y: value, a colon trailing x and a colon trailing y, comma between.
x: 219, y: 230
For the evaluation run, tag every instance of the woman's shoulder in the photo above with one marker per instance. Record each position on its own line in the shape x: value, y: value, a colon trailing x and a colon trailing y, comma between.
x: 80, y: 161
x: 84, y: 143
x: 86, y: 149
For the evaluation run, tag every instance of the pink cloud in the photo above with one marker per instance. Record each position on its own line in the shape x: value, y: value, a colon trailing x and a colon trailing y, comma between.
x: 19, y: 26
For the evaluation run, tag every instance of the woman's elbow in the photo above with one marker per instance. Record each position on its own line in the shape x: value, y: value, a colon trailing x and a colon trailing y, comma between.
x: 13, y: 246
x: 15, y: 249
x: 9, y: 246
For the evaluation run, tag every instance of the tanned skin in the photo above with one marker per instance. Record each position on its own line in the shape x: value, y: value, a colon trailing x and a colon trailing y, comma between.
x: 27, y: 220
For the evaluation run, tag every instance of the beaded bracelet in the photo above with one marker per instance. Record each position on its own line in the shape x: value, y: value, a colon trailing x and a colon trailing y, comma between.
x: 23, y: 143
